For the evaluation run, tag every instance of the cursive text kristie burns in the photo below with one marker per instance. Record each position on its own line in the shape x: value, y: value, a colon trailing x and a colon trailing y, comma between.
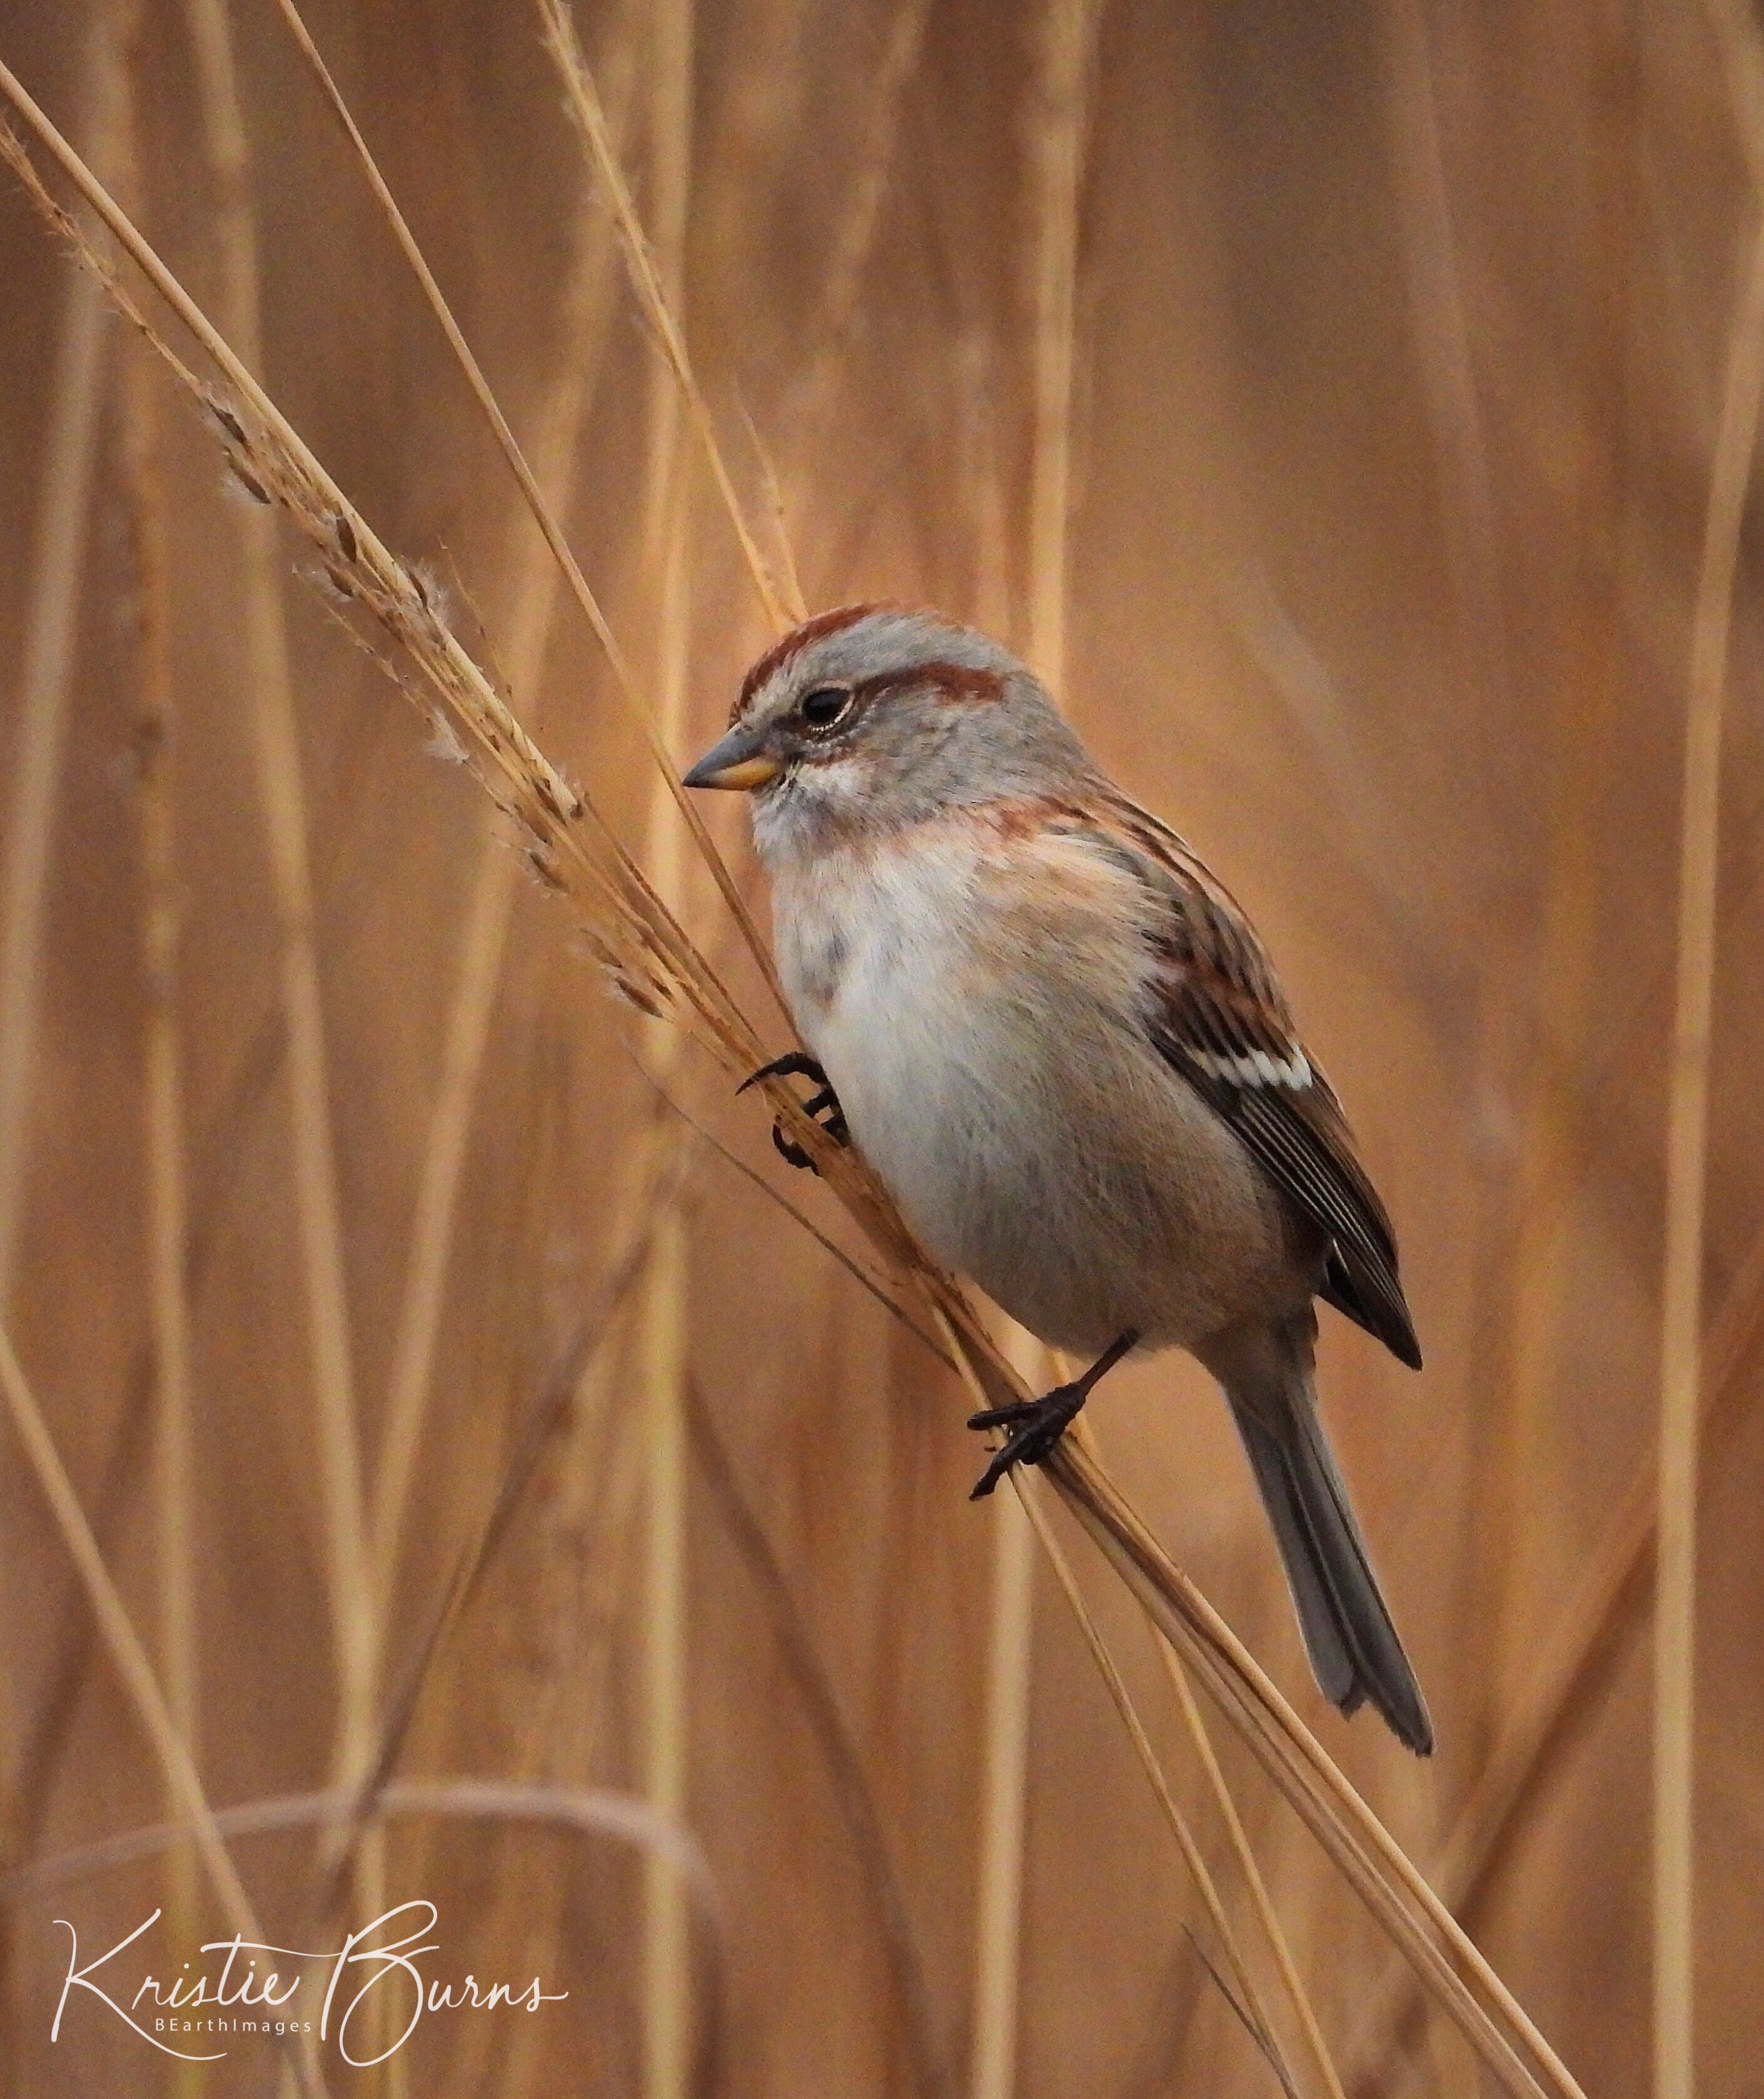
x: 238, y: 1998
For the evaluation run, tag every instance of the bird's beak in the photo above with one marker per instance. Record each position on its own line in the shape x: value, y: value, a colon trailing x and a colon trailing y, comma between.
x: 738, y: 760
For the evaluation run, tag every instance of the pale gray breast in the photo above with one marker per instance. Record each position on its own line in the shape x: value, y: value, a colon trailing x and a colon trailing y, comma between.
x: 977, y: 1016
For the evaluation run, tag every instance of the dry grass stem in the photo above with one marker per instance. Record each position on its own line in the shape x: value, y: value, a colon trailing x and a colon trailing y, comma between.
x: 270, y: 700
x: 585, y: 103
x: 1436, y: 295
x: 851, y: 1788
x: 811, y: 395
x: 668, y: 80
x: 167, y: 1199
x: 1243, y: 1995
x: 1056, y: 134
x: 664, y: 1321
x: 1266, y: 1916
x: 594, y: 1812
x: 136, y: 1671
x: 58, y: 572
x: 1004, y: 1778
x: 1609, y: 1605
x: 661, y: 1355
x: 1686, y: 1168
x: 1686, y: 1156
x: 652, y: 958
x: 584, y: 313
x: 598, y: 1811
x: 1368, y: 1857
x: 529, y: 488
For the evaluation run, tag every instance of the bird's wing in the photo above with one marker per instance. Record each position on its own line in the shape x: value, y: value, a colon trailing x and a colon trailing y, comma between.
x: 1218, y: 1017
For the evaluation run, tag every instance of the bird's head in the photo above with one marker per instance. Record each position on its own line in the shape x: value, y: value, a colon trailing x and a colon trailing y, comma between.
x: 866, y: 720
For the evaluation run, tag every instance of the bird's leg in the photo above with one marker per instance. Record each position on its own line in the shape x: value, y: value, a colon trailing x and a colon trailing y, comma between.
x: 822, y: 1107
x: 1036, y: 1425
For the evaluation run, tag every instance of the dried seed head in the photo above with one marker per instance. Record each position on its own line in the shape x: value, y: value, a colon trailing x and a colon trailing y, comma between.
x: 436, y: 598
x: 230, y: 425
x: 542, y: 864
x: 626, y: 987
x: 445, y: 743
x: 323, y: 577
x: 239, y: 483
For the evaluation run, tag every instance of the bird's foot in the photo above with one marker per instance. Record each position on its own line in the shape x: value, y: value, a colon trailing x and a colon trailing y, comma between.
x: 1036, y: 1425
x: 822, y: 1107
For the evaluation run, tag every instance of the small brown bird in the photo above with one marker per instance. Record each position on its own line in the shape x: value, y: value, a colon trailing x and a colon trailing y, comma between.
x: 1058, y: 1041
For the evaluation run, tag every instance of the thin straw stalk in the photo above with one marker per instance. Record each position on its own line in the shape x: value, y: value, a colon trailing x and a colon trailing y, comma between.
x: 51, y: 624
x: 584, y: 313
x: 1004, y: 1778
x: 811, y: 393
x: 275, y: 740
x: 594, y: 1812
x: 1295, y: 1991
x: 1056, y: 163
x: 851, y: 1788
x: 585, y: 104
x: 666, y: 1975
x: 650, y: 957
x: 1686, y: 1169
x: 566, y: 843
x: 529, y: 488
x: 1368, y: 1856
x: 167, y: 1198
x: 1247, y: 2001
x: 664, y: 1321
x: 669, y: 140
x: 136, y: 1671
x: 1057, y: 150
x: 1612, y: 1600
x: 662, y: 1337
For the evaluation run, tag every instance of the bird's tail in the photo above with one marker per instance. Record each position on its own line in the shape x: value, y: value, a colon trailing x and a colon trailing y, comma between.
x: 1355, y: 1653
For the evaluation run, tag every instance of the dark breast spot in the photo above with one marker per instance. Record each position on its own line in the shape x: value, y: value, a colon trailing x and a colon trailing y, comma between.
x: 824, y: 962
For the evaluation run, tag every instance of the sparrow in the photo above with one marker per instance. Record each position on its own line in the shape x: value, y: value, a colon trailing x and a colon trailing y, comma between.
x: 1059, y: 1042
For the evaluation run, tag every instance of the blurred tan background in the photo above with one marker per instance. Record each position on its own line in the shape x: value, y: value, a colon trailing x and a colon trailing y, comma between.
x: 1399, y: 334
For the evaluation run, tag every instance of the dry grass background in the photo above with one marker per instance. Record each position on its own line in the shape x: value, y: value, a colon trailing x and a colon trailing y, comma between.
x: 1403, y: 358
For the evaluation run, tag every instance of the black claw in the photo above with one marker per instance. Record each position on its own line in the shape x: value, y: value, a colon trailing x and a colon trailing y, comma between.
x: 826, y: 1102
x: 1036, y: 1425
x: 1039, y: 1424
x: 822, y: 1107
x: 793, y: 1064
x: 790, y: 1151
x: 1007, y: 1416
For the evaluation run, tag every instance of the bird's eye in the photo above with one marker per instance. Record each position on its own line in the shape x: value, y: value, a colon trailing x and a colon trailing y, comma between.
x: 826, y: 706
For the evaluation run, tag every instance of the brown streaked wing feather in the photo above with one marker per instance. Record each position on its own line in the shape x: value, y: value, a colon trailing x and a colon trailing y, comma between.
x: 1222, y: 1021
